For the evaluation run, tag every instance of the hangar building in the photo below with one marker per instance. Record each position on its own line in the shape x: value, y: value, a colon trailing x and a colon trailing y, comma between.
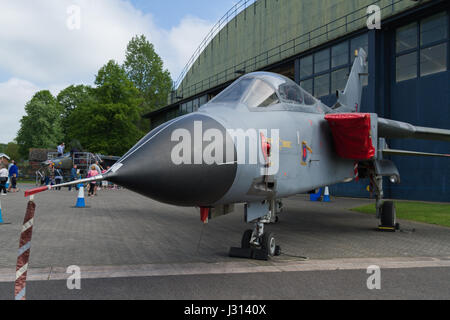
x: 313, y: 42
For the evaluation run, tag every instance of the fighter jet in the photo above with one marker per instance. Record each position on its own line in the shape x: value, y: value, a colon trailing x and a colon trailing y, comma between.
x: 63, y: 162
x: 261, y: 140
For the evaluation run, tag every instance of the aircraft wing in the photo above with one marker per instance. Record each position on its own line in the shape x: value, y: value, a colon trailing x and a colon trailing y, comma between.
x: 356, y: 137
x: 394, y: 152
x: 392, y: 129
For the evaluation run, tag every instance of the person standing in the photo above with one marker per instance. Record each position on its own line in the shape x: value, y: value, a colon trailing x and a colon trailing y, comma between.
x: 58, y: 178
x: 61, y: 148
x: 99, y: 170
x: 13, y: 175
x: 47, y: 174
x: 3, y: 179
x: 98, y: 167
x: 93, y: 185
x: 73, y: 176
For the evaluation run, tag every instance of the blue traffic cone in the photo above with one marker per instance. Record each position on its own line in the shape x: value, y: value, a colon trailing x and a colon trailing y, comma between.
x: 80, y: 201
x: 1, y: 219
x: 326, y: 196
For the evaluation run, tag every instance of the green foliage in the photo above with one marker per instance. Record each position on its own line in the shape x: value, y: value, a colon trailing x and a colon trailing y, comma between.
x: 146, y: 70
x: 41, y: 126
x: 71, y: 98
x: 105, y: 119
x: 106, y: 123
x: 12, y: 150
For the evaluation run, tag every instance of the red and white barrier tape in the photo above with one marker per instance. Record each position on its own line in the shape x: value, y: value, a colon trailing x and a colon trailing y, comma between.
x: 24, y: 252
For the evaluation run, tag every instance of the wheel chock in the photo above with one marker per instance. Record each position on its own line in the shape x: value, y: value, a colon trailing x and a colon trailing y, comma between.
x: 249, y: 253
x: 389, y: 228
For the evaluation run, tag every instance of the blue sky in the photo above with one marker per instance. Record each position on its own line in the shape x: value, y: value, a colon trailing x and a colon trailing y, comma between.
x: 40, y: 51
x: 169, y: 12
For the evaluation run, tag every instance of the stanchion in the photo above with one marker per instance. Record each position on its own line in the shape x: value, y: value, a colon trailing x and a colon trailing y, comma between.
x: 24, y: 252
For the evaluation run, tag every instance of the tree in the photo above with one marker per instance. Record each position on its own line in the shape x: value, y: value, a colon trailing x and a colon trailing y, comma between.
x: 145, y: 69
x: 12, y: 150
x: 106, y: 123
x: 71, y: 98
x: 41, y: 126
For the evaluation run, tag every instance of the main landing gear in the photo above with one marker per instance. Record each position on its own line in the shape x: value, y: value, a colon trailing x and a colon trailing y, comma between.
x: 386, y: 211
x: 388, y: 217
x: 257, y: 243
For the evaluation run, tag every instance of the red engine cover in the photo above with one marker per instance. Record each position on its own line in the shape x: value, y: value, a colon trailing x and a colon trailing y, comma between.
x: 352, y: 135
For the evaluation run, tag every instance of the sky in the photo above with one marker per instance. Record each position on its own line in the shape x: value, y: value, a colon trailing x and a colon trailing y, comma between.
x: 51, y: 44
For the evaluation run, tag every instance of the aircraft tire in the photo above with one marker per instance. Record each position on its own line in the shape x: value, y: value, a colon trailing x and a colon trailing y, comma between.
x: 269, y: 244
x: 245, y: 244
x: 388, y: 214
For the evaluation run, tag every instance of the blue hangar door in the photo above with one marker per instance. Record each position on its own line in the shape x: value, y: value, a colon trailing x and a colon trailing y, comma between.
x: 420, y: 94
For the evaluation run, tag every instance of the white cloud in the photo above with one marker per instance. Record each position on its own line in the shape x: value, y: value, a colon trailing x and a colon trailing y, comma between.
x: 39, y: 48
x: 185, y: 39
x: 14, y: 94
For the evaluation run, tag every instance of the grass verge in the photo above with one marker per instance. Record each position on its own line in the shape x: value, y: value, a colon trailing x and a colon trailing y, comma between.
x: 432, y: 213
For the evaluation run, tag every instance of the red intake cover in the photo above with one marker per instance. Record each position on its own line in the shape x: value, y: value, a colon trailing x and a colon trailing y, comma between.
x: 352, y: 135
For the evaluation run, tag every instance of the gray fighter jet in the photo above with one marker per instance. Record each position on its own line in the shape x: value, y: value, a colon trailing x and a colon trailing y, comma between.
x: 261, y: 140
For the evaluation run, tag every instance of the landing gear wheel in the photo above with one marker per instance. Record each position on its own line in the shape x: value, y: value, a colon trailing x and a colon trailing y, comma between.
x: 268, y: 244
x: 388, y: 214
x: 246, y: 238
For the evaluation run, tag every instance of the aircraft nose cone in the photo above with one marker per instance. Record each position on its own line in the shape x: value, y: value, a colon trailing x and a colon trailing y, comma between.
x: 166, y: 166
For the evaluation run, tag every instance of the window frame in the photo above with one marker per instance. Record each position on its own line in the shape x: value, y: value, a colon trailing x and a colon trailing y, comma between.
x: 419, y: 47
x: 331, y: 69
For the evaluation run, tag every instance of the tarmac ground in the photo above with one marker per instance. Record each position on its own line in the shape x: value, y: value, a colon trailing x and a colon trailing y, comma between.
x: 130, y: 247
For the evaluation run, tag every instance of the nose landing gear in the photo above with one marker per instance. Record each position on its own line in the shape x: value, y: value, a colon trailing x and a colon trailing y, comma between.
x: 258, y: 244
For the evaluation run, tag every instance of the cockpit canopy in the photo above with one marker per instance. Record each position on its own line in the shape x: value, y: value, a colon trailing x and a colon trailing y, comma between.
x: 263, y: 89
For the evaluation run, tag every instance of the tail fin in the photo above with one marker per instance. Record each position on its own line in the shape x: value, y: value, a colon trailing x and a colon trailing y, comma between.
x: 350, y: 99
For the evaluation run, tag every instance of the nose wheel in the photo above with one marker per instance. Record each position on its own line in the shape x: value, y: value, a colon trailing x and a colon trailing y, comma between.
x: 268, y: 245
x: 257, y: 244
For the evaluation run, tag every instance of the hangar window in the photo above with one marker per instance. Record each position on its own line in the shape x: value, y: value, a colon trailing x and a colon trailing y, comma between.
x: 339, y: 79
x: 322, y: 61
x: 183, y: 108
x: 433, y: 29
x: 307, y: 85
x: 322, y: 85
x: 422, y: 47
x: 196, y: 105
x: 406, y: 37
x: 331, y: 67
x: 339, y: 55
x: 203, y: 100
x: 189, y: 106
x: 406, y: 68
x: 433, y: 59
x: 358, y: 43
x: 306, y: 67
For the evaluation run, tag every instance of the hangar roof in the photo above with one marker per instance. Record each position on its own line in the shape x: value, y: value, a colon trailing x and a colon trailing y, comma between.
x: 269, y: 31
